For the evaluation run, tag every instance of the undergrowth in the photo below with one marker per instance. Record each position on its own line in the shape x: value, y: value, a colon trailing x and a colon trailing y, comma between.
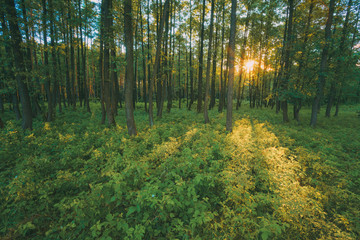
x: 77, y: 179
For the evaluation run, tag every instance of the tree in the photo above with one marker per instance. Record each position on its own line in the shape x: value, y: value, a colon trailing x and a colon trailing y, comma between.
x: 7, y: 67
x: 222, y: 80
x: 208, y: 64
x: 231, y: 57
x: 83, y: 56
x: 128, y: 30
x: 242, y: 55
x: 339, y: 63
x: 143, y: 58
x: 287, y: 61
x: 19, y: 63
x: 323, y: 65
x: 108, y: 34
x: 201, y: 54
x: 303, y: 63
x: 50, y: 113
x: 190, y: 63
x: 213, y: 76
x: 155, y: 74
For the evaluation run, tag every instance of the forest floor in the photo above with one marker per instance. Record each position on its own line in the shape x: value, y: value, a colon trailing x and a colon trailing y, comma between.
x: 181, y: 179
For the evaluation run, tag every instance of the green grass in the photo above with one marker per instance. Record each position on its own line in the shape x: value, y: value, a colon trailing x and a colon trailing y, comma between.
x: 181, y: 179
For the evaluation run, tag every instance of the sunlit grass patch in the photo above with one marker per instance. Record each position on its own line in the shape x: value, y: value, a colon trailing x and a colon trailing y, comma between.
x: 74, y: 178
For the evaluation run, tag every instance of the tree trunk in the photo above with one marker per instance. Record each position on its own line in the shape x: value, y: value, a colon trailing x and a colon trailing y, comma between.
x: 55, y: 77
x: 222, y: 87
x: 101, y: 64
x: 339, y: 65
x: 115, y: 91
x: 72, y: 57
x: 323, y: 65
x: 143, y: 59
x: 213, y: 76
x: 148, y: 48
x: 288, y: 48
x: 78, y: 70
x: 84, y: 87
x: 190, y: 63
x: 1, y: 123
x: 19, y: 64
x: 157, y: 61
x: 67, y: 60
x: 49, y: 116
x: 128, y: 29
x: 179, y: 79
x: 208, y: 64
x: 169, y: 61
x: 303, y: 63
x: 242, y: 56
x: 201, y: 60
x: 108, y: 34
x: 231, y: 57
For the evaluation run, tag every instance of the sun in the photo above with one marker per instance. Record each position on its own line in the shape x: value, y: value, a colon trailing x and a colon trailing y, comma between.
x: 249, y: 65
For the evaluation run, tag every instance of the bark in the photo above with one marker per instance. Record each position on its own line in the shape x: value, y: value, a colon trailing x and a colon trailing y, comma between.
x: 136, y: 87
x: 222, y: 87
x: 115, y: 91
x: 61, y: 96
x: 303, y: 62
x: 191, y: 66
x: 101, y: 65
x: 323, y: 65
x: 148, y: 48
x: 168, y: 61
x: 155, y: 74
x: 213, y: 76
x: 1, y: 104
x: 278, y: 78
x: 187, y: 78
x: 108, y: 34
x: 67, y: 61
x: 78, y: 70
x: 181, y: 90
x: 1, y: 123
x: 15, y: 103
x: 164, y: 82
x: 84, y: 87
x: 208, y: 64
x: 231, y: 57
x: 201, y: 59
x: 55, y: 77
x: 339, y: 64
x: 143, y: 60
x: 72, y: 58
x: 242, y: 56
x: 49, y: 116
x: 288, y: 48
x: 128, y: 30
x: 9, y: 61
x: 19, y: 64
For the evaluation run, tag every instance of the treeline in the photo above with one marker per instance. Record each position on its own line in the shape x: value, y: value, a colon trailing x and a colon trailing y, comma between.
x: 64, y: 54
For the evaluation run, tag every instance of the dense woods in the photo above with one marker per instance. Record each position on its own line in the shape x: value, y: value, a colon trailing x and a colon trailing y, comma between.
x: 236, y: 79
x: 58, y: 54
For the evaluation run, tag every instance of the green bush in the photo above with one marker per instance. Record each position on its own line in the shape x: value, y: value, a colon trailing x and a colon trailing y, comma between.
x: 76, y: 179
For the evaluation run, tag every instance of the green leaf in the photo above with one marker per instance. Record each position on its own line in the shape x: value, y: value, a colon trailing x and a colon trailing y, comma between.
x: 109, y: 217
x: 131, y: 210
x: 265, y: 235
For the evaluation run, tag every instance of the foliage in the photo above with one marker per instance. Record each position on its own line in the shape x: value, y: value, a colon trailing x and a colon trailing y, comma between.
x: 76, y: 179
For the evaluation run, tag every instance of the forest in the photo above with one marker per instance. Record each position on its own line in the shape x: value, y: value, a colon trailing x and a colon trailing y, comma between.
x: 180, y: 119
